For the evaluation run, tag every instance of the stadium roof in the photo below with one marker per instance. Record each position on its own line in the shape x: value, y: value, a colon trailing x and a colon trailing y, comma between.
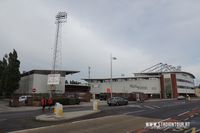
x: 46, y: 72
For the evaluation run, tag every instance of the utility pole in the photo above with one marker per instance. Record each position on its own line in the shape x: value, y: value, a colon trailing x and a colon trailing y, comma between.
x: 111, y: 59
x: 89, y: 68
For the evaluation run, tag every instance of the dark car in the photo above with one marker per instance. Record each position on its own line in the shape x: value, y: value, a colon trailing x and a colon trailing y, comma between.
x: 117, y: 101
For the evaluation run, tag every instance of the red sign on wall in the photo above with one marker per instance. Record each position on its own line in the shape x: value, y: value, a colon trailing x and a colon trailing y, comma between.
x: 108, y: 90
x: 34, y: 90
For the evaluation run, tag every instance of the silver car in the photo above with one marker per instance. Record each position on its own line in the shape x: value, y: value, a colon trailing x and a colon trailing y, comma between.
x: 117, y: 101
x: 181, y: 98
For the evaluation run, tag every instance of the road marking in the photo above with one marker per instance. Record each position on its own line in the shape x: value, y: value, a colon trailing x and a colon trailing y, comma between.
x: 165, y: 120
x: 198, y: 130
x: 183, y: 113
x: 133, y: 112
x: 165, y: 129
x: 186, y: 119
x: 156, y: 106
x: 148, y: 107
x: 138, y: 106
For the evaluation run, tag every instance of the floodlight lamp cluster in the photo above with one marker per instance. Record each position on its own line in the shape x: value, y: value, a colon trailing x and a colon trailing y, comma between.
x: 61, y: 16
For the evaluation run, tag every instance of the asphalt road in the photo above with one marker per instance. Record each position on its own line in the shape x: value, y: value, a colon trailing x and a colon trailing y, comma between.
x: 148, y: 111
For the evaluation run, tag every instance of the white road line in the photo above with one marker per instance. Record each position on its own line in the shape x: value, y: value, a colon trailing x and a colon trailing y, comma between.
x: 186, y: 119
x: 165, y: 120
x: 138, y: 106
x: 165, y: 129
x: 148, y: 107
x: 183, y: 113
x: 156, y: 106
x: 197, y: 130
x: 133, y: 112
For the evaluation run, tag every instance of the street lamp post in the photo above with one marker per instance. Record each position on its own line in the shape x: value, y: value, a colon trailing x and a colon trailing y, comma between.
x: 111, y: 59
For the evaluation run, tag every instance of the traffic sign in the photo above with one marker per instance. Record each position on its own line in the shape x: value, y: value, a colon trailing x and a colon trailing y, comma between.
x: 53, y: 79
x: 34, y: 90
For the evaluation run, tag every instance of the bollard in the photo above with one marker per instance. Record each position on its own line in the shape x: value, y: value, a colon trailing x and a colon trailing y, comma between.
x: 95, y: 105
x: 54, y: 110
x: 189, y: 98
x: 58, y: 110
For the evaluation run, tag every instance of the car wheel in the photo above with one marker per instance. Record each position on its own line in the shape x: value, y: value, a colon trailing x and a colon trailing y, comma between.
x: 109, y: 104
x: 117, y: 104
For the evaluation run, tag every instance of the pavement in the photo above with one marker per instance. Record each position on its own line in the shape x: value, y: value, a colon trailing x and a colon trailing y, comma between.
x: 65, y: 116
x: 4, y: 106
x: 70, y: 115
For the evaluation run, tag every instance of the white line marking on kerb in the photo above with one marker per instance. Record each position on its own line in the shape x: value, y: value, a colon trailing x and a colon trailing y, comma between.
x: 183, y: 113
x: 133, y: 112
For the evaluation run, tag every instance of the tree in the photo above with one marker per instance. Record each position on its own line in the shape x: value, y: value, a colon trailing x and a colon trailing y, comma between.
x: 1, y: 71
x: 9, y: 74
x: 3, y: 74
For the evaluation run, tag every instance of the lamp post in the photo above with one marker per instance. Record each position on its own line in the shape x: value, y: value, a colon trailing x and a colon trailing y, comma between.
x: 111, y: 59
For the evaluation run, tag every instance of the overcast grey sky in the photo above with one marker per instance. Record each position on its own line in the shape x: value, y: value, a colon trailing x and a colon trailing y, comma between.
x: 140, y: 33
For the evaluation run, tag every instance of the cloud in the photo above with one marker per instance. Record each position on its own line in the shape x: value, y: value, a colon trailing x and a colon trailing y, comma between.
x: 139, y: 33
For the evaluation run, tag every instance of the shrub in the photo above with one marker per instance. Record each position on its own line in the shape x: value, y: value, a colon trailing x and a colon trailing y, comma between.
x: 67, y: 101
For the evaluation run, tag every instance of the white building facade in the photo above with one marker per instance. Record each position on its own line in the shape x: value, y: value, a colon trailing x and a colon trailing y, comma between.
x: 155, y: 84
x: 37, y: 80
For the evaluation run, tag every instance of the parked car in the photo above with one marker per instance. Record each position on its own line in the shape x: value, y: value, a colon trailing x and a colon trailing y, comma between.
x: 23, y: 98
x: 117, y: 101
x: 181, y: 98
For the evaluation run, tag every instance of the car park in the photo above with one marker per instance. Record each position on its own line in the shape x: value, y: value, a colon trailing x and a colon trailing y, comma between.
x: 117, y: 101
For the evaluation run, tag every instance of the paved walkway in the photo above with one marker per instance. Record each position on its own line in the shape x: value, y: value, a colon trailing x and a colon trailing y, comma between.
x: 65, y: 116
x: 4, y: 107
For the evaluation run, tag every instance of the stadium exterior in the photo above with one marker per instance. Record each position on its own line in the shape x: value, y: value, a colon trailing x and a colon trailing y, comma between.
x: 159, y: 81
x: 37, y: 80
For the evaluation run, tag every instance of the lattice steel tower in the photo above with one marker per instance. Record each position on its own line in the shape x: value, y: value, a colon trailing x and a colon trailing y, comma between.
x: 61, y: 17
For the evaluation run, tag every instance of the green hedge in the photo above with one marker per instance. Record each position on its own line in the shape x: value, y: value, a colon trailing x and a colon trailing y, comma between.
x: 67, y: 101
